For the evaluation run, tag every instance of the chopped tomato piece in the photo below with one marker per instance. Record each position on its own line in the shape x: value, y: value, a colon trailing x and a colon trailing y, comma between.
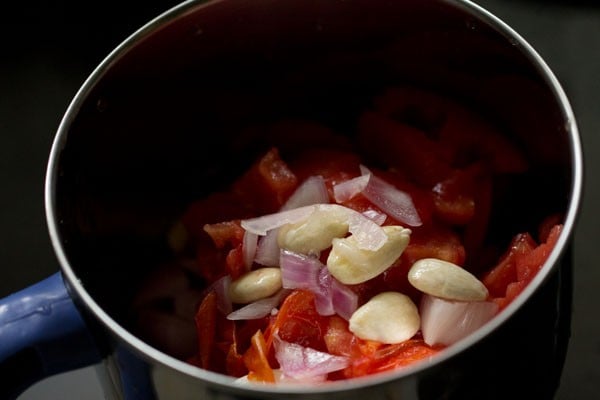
x: 528, y: 265
x: 234, y: 262
x: 455, y: 197
x: 505, y: 272
x: 206, y: 322
x: 223, y: 233
x: 548, y: 225
x: 378, y: 357
x: 338, y: 338
x: 215, y: 208
x: 256, y: 361
x: 435, y: 241
x: 299, y: 322
x: 519, y: 266
x: 267, y: 185
x: 234, y: 363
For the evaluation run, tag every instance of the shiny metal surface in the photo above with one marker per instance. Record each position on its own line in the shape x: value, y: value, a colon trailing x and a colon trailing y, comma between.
x: 177, y: 47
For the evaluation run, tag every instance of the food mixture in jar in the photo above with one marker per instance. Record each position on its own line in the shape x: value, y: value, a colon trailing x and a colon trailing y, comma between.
x: 340, y: 257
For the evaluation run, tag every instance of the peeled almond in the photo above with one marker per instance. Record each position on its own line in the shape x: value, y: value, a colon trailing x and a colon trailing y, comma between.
x: 446, y: 280
x: 389, y: 317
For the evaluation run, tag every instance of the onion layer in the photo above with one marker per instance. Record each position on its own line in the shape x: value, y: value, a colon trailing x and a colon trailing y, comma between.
x: 301, y: 362
x: 446, y: 322
x: 391, y: 200
x: 369, y: 235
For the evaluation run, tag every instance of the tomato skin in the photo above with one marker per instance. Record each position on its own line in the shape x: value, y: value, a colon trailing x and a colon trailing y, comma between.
x: 376, y: 357
x: 255, y: 359
x: 338, y: 338
x: 234, y: 363
x: 267, y: 185
x: 299, y: 322
x: 206, y: 322
x: 455, y: 197
x: 225, y: 233
x: 215, y: 208
x: 369, y: 357
x: 434, y: 241
x: 400, y: 354
x: 505, y: 272
x: 548, y: 225
x: 227, y: 237
x: 519, y: 265
x: 528, y: 265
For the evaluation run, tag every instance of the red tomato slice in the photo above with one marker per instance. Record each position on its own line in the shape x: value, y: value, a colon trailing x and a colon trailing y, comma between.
x: 378, y: 358
x: 528, y: 265
x: 518, y: 266
x: 206, y: 322
x: 338, y: 338
x: 299, y: 322
x: 225, y: 233
x: 255, y: 359
x: 215, y: 208
x: 505, y: 272
x: 234, y: 363
x: 436, y: 241
x: 267, y: 185
x: 234, y: 262
x: 548, y: 225
x: 455, y: 197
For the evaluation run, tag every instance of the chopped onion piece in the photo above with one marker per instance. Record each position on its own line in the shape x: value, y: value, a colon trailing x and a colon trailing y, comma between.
x: 323, y: 295
x: 267, y: 251
x: 368, y: 234
x: 249, y: 246
x: 260, y: 308
x: 344, y: 300
x: 221, y: 288
x: 299, y: 362
x: 375, y: 216
x: 392, y: 201
x: 261, y: 225
x: 446, y: 322
x: 348, y: 189
x: 299, y: 271
x: 311, y: 191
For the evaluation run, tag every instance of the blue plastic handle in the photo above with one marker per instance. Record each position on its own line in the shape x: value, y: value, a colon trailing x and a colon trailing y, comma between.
x: 41, y: 334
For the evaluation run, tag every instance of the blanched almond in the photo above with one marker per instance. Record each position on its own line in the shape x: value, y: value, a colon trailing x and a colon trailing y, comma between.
x: 255, y: 285
x: 350, y: 264
x: 446, y: 280
x: 389, y: 317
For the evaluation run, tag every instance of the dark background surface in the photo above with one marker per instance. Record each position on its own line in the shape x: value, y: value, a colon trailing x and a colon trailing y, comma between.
x: 48, y: 48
